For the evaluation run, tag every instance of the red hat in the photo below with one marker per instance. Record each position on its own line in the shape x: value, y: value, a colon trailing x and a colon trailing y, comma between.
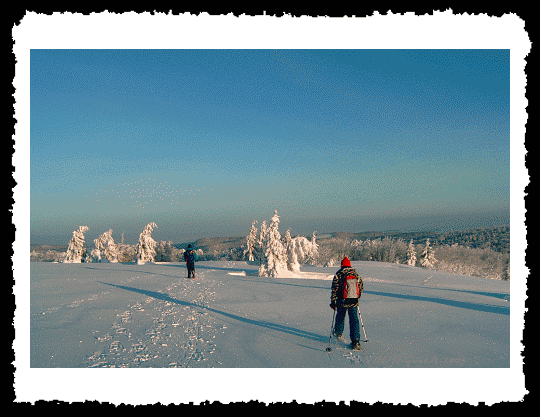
x: 345, y: 262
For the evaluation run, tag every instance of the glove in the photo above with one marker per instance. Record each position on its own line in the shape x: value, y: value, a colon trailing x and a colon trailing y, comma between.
x: 332, y: 306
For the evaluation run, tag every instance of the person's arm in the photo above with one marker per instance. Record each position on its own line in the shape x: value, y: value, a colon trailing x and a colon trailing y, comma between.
x: 333, y: 296
x: 360, y: 285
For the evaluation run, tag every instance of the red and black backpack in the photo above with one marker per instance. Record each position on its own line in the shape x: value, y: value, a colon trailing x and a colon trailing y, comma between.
x: 351, y: 287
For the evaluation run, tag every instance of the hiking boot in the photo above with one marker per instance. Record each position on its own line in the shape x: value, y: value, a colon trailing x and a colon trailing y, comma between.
x: 338, y: 336
x: 355, y: 345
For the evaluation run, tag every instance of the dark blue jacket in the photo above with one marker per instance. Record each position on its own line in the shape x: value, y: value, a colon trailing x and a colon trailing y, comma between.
x: 190, y: 255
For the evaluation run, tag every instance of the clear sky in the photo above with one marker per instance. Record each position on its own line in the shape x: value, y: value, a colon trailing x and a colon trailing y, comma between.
x: 202, y: 142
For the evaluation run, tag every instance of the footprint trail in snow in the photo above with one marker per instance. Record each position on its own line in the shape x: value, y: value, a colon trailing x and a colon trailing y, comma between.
x: 155, y: 332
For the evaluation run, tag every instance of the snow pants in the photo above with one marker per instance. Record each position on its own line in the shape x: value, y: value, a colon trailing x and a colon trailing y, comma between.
x: 354, y: 324
x: 190, y: 269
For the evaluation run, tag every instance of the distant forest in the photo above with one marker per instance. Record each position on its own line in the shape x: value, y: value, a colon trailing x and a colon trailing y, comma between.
x: 482, y: 252
x: 495, y: 238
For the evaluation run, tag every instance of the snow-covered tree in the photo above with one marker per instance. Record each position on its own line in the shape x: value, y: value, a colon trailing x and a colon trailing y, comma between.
x: 251, y: 239
x: 331, y: 262
x: 313, y: 254
x: 77, y: 250
x: 111, y: 251
x: 262, y: 235
x: 105, y: 249
x: 366, y: 250
x: 274, y: 263
x: 276, y: 255
x: 411, y: 254
x: 389, y: 249
x: 126, y: 253
x: 291, y: 252
x: 428, y: 256
x: 401, y: 251
x: 166, y: 252
x: 146, y: 247
x: 356, y: 247
x: 259, y: 251
x: 376, y: 250
x: 302, y: 247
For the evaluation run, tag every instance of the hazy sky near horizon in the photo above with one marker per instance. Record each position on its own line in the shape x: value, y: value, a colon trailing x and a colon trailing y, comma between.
x: 202, y: 142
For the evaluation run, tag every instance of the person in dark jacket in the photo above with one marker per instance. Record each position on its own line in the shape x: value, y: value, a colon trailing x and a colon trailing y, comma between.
x: 190, y: 256
x: 344, y: 302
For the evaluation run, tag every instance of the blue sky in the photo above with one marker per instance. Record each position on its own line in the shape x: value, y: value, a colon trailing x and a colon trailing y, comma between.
x: 202, y: 142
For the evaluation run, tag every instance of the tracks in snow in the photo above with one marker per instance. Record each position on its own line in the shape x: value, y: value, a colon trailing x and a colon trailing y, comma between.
x: 159, y: 332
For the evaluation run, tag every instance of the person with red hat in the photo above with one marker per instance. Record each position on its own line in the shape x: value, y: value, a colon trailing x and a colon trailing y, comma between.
x: 347, y: 287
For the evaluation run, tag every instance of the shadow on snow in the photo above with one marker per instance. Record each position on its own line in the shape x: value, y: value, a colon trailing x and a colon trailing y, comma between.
x: 505, y: 310
x: 452, y: 303
x: 261, y: 323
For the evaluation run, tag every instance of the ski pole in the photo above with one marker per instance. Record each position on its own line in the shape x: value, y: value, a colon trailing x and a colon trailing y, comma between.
x: 329, y: 349
x: 362, y: 322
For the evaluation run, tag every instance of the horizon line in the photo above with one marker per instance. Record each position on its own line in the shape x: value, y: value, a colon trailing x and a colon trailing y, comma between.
x: 417, y: 229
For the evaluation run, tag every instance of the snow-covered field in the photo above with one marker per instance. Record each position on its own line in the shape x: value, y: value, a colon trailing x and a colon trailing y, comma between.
x: 111, y: 315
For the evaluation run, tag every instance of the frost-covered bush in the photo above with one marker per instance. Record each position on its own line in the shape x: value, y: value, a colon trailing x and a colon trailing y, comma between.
x: 334, y: 250
x: 47, y: 256
x: 479, y: 262
x: 167, y: 252
x: 126, y: 253
x: 331, y: 262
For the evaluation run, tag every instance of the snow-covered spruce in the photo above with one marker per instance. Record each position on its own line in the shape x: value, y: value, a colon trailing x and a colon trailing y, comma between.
x: 146, y: 247
x: 76, y: 250
x: 411, y: 254
x: 313, y: 254
x: 259, y: 249
x: 428, y: 256
x: 251, y: 251
x: 292, y: 253
x: 275, y: 257
x: 105, y: 249
x: 304, y: 249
